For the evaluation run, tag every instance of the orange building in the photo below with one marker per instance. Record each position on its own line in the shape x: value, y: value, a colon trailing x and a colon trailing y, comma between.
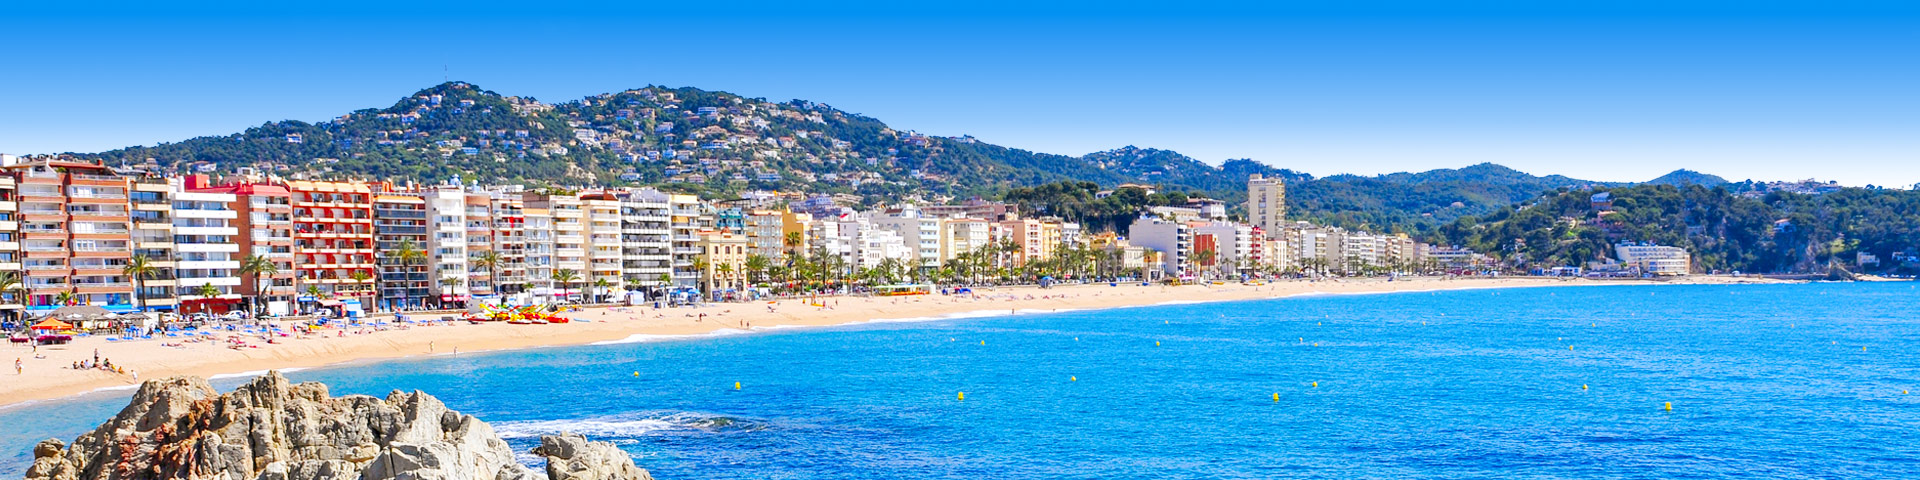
x: 74, y: 234
x: 332, y: 242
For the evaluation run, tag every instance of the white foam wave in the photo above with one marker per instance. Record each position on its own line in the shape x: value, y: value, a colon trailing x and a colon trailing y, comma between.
x: 648, y: 337
x: 626, y: 426
x: 252, y: 373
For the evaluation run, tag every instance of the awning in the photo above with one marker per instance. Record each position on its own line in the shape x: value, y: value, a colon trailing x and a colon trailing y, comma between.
x: 330, y: 302
x: 51, y: 324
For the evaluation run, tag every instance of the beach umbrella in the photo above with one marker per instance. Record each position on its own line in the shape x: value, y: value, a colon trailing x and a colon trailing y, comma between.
x: 52, y: 324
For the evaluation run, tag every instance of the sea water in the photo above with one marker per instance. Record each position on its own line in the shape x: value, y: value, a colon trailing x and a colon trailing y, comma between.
x: 1767, y: 381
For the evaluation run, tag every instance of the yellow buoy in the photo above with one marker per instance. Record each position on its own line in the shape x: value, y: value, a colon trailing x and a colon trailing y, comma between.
x: 1316, y: 384
x: 1583, y: 386
x: 1156, y: 343
x: 1276, y: 396
x: 636, y: 374
x: 1316, y: 344
x: 963, y: 396
x: 1569, y: 347
x: 1669, y: 406
x: 1073, y: 379
x: 736, y: 385
x: 983, y: 342
x: 1863, y: 348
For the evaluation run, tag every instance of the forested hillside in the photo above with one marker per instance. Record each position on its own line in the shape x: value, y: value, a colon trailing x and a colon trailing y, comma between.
x: 1778, y: 232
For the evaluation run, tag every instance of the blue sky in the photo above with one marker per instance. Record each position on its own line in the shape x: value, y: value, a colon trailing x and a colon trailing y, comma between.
x: 1621, y: 90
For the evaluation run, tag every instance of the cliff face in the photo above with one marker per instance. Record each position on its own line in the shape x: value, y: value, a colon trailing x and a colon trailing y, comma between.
x: 271, y: 429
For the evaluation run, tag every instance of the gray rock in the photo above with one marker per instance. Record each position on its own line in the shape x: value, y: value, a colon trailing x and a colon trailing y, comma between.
x: 571, y: 457
x: 271, y: 429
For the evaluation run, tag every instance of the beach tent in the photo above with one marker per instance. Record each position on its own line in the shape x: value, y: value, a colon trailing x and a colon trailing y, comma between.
x: 52, y: 324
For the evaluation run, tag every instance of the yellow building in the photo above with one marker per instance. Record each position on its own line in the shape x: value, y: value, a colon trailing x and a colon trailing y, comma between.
x: 725, y: 256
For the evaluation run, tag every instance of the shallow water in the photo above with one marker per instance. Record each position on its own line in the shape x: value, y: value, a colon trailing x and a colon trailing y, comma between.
x: 1765, y: 381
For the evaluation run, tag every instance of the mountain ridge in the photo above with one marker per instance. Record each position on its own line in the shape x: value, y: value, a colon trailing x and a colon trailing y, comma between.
x: 711, y: 142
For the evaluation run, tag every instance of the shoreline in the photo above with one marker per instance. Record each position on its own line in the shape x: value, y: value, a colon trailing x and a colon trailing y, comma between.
x: 50, y: 378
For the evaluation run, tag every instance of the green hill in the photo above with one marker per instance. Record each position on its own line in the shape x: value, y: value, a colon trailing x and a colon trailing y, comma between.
x: 716, y: 143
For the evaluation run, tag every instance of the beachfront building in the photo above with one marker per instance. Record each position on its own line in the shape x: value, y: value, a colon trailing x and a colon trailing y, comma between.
x: 764, y: 233
x: 12, y: 302
x: 539, y: 254
x: 565, y: 225
x: 919, y: 234
x: 646, y: 236
x: 1173, y: 239
x: 333, y: 243
x: 685, y: 225
x: 1266, y: 203
x: 74, y: 234
x: 963, y: 235
x: 447, y: 245
x: 263, y: 222
x: 207, y: 263
x: 1652, y: 259
x: 400, y: 241
x: 510, y: 245
x: 479, y: 221
x: 1035, y: 239
x: 725, y: 254
x: 606, y: 250
x: 1233, y: 246
x: 150, y: 203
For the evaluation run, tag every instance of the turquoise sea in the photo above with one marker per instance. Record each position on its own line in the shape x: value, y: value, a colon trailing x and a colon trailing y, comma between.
x: 1771, y: 381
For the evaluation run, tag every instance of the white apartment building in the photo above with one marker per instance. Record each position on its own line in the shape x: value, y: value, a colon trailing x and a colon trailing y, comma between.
x: 538, y: 231
x: 447, y: 242
x: 1655, y: 259
x: 606, y: 249
x: 646, y: 236
x: 918, y: 234
x: 1172, y: 239
x: 1233, y: 243
x: 207, y: 254
x: 963, y: 235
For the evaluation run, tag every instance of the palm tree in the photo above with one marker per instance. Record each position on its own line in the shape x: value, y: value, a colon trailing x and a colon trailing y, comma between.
x: 793, y: 241
x: 725, y: 271
x: 449, y: 283
x: 700, y: 265
x: 360, y: 276
x: 887, y: 269
x: 66, y: 298
x: 139, y: 268
x: 486, y: 261
x: 9, y: 287
x: 601, y: 285
x: 565, y: 277
x: 757, y: 267
x: 409, y: 253
x: 259, y: 267
x: 207, y: 291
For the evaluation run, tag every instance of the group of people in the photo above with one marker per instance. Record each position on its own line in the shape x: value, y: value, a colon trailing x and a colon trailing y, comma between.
x: 96, y: 363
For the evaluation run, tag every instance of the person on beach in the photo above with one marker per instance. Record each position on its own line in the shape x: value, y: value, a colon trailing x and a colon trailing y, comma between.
x: 17, y: 366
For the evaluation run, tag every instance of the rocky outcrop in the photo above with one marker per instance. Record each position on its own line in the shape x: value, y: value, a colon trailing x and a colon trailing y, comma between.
x: 272, y: 429
x: 572, y: 457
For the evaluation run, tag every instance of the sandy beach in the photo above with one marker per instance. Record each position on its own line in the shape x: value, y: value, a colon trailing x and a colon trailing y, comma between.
x: 47, y: 373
